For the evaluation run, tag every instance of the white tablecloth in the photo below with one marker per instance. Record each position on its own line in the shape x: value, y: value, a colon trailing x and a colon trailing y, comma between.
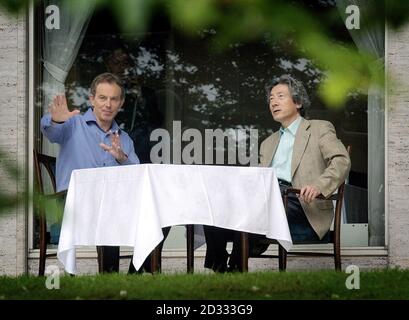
x: 128, y: 205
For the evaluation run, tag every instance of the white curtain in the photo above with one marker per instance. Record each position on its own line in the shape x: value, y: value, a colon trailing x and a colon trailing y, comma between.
x: 60, y: 47
x: 370, y: 37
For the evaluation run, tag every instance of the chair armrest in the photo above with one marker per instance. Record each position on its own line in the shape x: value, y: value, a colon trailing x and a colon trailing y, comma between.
x: 320, y: 196
x: 57, y: 195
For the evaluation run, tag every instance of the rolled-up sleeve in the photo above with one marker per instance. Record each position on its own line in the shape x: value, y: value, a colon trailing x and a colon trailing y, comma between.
x: 55, y: 132
x: 132, y: 159
x: 129, y: 149
x: 336, y: 157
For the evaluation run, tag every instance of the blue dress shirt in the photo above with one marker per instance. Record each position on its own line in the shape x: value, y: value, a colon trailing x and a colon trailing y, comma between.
x: 284, y: 153
x: 79, y: 138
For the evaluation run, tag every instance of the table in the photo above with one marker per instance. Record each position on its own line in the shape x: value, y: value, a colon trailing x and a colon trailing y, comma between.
x: 129, y: 205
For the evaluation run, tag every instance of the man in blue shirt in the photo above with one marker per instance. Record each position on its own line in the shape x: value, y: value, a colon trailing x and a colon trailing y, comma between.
x: 91, y: 140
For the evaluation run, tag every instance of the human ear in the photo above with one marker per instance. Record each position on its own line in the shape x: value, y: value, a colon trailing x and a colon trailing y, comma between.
x: 122, y: 103
x: 91, y: 99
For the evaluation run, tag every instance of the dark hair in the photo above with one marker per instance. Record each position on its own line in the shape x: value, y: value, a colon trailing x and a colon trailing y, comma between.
x: 109, y: 78
x: 296, y: 88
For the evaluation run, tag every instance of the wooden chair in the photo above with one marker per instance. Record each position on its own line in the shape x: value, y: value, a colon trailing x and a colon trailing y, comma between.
x: 48, y: 163
x: 190, y: 249
x: 190, y: 239
x: 334, y: 236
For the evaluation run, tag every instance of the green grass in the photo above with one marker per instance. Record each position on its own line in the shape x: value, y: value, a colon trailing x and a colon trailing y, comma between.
x: 328, y: 285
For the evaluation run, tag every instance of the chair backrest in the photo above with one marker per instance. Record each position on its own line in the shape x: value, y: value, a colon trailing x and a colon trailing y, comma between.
x: 48, y: 162
x: 336, y: 234
x: 43, y: 161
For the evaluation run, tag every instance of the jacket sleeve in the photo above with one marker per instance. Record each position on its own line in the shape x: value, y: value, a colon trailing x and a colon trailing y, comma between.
x: 336, y: 157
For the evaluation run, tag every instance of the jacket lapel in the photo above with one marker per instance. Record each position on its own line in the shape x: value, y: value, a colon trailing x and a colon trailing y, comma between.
x: 271, y: 149
x: 301, y: 139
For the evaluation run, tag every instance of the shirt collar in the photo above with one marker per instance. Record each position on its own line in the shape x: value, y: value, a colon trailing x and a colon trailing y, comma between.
x: 89, y: 116
x: 292, y: 128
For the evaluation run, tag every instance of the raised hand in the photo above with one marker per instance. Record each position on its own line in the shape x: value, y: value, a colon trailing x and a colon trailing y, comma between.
x: 115, y: 147
x: 59, y: 109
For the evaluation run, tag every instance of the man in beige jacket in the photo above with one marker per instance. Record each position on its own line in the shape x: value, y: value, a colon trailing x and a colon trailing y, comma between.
x: 306, y: 154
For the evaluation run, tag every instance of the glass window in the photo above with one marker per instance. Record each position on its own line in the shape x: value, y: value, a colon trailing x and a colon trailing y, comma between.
x: 173, y: 78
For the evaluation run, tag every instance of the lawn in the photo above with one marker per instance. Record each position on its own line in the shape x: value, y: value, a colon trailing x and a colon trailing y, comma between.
x: 327, y: 285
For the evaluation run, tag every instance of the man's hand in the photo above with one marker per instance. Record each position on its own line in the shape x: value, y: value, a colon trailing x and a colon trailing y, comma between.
x: 59, y: 109
x: 115, y: 149
x: 309, y: 193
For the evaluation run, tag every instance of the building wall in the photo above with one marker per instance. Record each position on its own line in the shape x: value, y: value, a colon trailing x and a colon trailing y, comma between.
x: 13, y: 138
x: 398, y: 147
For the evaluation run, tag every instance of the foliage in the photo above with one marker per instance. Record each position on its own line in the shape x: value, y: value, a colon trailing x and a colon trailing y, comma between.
x: 8, y: 172
x: 249, y: 20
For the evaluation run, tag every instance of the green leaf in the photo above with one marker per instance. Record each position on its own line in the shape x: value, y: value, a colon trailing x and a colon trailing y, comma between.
x: 193, y: 15
x: 132, y: 15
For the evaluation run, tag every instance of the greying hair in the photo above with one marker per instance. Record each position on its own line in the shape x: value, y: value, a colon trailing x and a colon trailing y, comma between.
x: 108, y: 78
x: 296, y: 88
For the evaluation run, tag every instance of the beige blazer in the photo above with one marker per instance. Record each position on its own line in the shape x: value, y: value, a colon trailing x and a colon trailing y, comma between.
x: 319, y: 159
